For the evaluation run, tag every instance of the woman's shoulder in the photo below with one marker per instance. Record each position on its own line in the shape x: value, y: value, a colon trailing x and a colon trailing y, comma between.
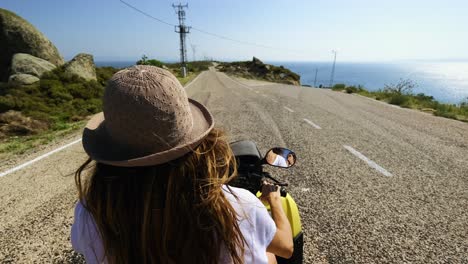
x: 239, y: 197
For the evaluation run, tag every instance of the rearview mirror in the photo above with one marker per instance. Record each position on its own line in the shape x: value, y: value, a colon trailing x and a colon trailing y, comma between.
x: 280, y: 157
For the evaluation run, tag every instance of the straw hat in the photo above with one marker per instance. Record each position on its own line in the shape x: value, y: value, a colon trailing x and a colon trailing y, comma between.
x: 147, y: 120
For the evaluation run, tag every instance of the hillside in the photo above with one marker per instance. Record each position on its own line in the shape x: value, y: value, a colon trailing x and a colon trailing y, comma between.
x: 256, y: 69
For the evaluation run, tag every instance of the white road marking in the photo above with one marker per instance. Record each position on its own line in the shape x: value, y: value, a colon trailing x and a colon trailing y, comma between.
x: 289, y: 109
x: 312, y: 123
x: 38, y: 158
x: 305, y: 189
x: 369, y: 162
x: 274, y: 100
x: 192, y: 81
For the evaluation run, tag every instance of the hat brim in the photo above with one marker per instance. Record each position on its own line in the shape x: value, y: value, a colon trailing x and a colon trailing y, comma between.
x: 99, y: 146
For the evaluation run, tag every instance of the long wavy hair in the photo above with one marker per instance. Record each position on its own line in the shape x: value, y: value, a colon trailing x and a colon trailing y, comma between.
x: 170, y: 213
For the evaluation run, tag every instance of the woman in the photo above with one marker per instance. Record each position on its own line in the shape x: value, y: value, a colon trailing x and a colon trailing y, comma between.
x: 157, y: 192
x: 281, y: 157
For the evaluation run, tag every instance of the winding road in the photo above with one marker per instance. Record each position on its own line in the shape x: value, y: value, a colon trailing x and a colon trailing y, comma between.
x: 374, y: 183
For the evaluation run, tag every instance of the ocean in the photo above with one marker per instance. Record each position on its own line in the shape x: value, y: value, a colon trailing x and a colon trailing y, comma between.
x: 447, y: 82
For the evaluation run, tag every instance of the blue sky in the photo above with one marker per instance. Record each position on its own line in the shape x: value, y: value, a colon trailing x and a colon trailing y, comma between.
x: 362, y: 30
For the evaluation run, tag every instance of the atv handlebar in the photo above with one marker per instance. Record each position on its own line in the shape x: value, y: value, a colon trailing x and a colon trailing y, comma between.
x: 283, y: 191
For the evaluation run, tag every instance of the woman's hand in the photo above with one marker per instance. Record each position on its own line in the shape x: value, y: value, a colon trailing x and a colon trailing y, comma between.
x: 270, y: 193
x: 282, y: 244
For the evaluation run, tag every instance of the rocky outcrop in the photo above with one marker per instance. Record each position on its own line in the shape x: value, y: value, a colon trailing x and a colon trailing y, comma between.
x: 22, y: 79
x: 28, y: 64
x: 19, y: 36
x: 83, y: 66
x: 257, y: 61
x: 256, y: 69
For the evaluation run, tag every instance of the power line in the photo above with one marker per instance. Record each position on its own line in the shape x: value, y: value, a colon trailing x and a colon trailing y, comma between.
x: 212, y: 34
x: 243, y: 42
x: 146, y: 14
x: 231, y: 39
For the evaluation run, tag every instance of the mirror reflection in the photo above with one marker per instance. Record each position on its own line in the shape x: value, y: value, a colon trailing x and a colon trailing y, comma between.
x: 280, y: 157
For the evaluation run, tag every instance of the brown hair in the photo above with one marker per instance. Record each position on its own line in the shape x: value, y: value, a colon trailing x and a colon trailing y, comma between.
x: 170, y: 213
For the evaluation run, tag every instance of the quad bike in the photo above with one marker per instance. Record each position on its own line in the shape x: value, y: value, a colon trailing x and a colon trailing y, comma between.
x: 251, y: 177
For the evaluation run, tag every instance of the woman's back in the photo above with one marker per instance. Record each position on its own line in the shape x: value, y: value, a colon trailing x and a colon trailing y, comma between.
x: 255, y: 224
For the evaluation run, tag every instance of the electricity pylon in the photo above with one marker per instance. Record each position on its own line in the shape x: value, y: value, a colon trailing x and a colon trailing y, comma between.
x: 182, y: 29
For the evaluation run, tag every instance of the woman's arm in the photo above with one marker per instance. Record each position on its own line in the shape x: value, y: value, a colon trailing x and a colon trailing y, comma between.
x: 282, y: 244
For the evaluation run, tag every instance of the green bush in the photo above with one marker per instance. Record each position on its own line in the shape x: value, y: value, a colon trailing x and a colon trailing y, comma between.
x: 446, y: 110
x: 398, y: 99
x: 7, y: 102
x: 105, y: 73
x: 57, y: 98
x: 339, y: 87
x: 144, y: 61
x: 351, y: 89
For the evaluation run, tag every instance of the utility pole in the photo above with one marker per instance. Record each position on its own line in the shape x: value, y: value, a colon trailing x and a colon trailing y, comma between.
x: 315, y: 80
x: 182, y: 29
x: 333, y: 68
x: 194, y: 50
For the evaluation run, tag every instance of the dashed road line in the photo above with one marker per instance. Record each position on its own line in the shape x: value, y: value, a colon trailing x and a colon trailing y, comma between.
x: 274, y: 100
x: 289, y: 109
x: 38, y: 158
x: 369, y: 162
x: 312, y: 123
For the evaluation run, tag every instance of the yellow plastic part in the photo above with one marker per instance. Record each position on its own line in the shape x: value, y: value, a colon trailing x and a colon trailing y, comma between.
x: 291, y: 211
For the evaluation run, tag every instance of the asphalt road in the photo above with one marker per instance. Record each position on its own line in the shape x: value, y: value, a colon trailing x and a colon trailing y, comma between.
x: 374, y: 183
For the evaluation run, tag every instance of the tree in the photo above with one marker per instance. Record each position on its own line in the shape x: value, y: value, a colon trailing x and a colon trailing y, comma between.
x: 144, y: 61
x: 404, y: 86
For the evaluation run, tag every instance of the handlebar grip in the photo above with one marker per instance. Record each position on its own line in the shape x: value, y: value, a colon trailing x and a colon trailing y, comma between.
x: 283, y: 191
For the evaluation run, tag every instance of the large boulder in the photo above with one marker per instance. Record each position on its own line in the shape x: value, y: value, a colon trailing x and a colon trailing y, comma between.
x: 19, y: 36
x: 28, y: 64
x: 83, y: 66
x: 22, y: 79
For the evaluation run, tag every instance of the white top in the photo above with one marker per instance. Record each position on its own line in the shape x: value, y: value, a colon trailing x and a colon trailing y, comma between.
x: 255, y: 223
x: 280, y: 161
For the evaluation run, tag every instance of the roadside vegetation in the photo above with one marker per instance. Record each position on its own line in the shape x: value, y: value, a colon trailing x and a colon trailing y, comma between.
x: 57, y: 105
x: 60, y: 104
x: 401, y: 94
x: 193, y: 68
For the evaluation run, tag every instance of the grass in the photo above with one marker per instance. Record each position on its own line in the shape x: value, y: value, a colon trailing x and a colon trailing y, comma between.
x: 63, y: 103
x: 20, y: 144
x: 420, y: 101
x: 58, y: 104
x: 190, y: 76
x: 193, y: 68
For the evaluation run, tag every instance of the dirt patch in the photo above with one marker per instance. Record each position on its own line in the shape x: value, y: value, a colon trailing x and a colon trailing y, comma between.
x: 14, y: 123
